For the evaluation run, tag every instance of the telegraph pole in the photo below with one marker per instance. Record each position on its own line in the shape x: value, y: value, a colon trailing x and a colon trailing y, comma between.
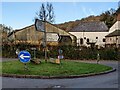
x: 45, y: 41
x: 45, y: 14
x: 42, y: 27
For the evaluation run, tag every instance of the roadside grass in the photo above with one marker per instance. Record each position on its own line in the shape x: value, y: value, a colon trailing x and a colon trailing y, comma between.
x: 49, y: 69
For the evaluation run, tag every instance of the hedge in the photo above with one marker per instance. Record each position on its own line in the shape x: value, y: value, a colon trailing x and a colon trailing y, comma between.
x: 69, y: 52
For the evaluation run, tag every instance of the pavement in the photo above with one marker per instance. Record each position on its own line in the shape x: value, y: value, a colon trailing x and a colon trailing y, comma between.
x: 109, y: 80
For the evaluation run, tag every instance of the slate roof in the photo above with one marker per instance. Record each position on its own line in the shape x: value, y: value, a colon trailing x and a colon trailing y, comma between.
x: 115, y: 33
x: 93, y: 26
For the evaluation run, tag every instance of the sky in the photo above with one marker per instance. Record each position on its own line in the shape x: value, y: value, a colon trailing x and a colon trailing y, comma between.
x: 21, y: 14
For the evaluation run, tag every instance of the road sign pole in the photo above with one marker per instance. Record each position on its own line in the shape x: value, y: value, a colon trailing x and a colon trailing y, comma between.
x: 45, y: 46
x: 41, y: 26
x: 34, y: 54
x: 25, y: 66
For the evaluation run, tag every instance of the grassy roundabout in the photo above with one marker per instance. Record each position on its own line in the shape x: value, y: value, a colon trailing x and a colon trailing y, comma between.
x: 48, y: 69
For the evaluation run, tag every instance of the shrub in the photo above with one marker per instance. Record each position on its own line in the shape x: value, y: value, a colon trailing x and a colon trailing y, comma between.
x: 108, y: 54
x: 69, y: 52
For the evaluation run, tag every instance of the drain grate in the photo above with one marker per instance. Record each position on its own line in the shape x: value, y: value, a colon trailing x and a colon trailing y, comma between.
x: 57, y: 86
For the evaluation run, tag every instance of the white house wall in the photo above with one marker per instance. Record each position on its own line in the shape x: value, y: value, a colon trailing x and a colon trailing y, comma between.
x: 115, y: 27
x: 113, y: 40
x: 92, y: 37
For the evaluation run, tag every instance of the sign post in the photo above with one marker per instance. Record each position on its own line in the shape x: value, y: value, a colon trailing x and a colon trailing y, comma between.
x: 52, y: 37
x: 98, y: 55
x: 60, y: 56
x: 24, y: 57
x: 40, y: 26
x: 34, y: 52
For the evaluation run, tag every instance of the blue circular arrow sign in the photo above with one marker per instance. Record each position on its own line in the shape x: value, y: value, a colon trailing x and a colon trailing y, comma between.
x: 24, y: 56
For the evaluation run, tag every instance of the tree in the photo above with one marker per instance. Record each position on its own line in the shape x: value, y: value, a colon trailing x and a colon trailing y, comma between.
x: 118, y: 9
x: 46, y: 13
x: 119, y: 4
x: 109, y: 17
x: 5, y: 31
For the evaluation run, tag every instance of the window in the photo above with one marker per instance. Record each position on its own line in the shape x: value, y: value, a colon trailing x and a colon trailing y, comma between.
x: 103, y: 39
x: 87, y: 39
x: 110, y: 39
x: 81, y: 41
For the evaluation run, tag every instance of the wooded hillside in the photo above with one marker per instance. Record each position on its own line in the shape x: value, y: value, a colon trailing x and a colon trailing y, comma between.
x: 109, y: 17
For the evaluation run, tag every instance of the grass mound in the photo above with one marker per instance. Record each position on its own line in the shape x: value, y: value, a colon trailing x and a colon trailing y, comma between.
x: 49, y: 69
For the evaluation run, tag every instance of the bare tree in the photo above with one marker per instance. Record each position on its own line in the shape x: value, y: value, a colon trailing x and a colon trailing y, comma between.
x: 46, y: 13
x: 51, y: 16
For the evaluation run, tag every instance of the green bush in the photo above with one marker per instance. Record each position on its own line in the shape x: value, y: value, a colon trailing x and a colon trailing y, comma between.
x: 69, y: 52
x: 109, y: 54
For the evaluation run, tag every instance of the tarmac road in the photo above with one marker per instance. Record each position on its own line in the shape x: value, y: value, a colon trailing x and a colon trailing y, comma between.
x: 109, y: 80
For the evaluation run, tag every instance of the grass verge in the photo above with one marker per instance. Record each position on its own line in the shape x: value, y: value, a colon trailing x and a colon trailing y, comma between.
x: 49, y: 69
